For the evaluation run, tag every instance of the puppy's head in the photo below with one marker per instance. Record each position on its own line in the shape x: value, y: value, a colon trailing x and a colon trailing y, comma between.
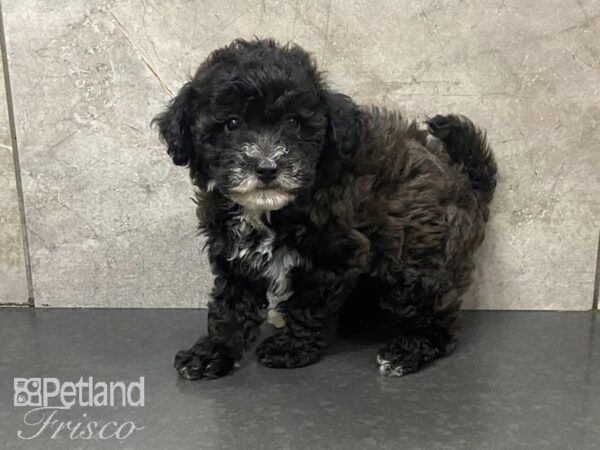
x: 255, y: 122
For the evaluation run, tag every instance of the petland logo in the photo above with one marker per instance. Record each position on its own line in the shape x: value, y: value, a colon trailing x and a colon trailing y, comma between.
x: 48, y: 397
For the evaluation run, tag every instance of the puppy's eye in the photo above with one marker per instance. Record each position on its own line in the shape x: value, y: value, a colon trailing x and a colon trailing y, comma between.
x: 292, y: 121
x: 233, y: 123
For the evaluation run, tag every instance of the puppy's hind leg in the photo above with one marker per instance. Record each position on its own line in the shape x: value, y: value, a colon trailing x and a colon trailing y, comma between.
x: 426, y: 330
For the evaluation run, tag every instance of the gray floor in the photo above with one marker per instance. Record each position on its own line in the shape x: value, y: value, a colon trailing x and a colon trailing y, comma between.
x: 517, y: 380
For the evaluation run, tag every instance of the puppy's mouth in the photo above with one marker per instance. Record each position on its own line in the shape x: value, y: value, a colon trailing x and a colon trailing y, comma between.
x: 255, y: 194
x: 264, y: 198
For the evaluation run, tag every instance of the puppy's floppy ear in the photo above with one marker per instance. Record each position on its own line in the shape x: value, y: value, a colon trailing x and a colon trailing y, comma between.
x: 343, y: 123
x: 174, y: 125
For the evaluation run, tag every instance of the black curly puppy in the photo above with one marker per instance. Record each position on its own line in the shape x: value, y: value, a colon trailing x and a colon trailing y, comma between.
x: 312, y: 205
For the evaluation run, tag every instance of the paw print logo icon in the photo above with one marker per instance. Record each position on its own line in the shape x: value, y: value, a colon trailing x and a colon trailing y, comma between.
x: 28, y: 392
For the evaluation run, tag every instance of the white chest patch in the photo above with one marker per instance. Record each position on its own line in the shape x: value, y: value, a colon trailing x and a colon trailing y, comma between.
x: 254, y: 248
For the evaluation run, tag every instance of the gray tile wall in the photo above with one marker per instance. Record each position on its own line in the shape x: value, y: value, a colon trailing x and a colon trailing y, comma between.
x: 111, y: 222
x: 13, y: 279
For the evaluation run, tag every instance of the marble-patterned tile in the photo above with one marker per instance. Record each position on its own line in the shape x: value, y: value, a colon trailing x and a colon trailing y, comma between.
x: 111, y: 222
x: 13, y: 279
x: 110, y: 219
x: 174, y: 40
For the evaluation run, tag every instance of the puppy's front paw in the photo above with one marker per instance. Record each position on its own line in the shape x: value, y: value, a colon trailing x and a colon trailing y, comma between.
x: 284, y: 351
x: 203, y: 361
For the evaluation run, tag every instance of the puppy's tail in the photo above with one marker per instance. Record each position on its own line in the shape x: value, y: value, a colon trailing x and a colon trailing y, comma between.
x: 467, y: 145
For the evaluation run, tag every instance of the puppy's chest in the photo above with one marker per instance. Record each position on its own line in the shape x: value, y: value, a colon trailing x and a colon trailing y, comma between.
x: 258, y: 251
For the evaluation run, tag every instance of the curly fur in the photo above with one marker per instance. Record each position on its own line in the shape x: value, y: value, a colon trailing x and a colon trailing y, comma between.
x: 365, y: 216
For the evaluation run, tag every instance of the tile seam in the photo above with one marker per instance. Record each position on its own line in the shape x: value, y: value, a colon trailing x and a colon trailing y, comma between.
x: 597, y: 279
x: 16, y: 161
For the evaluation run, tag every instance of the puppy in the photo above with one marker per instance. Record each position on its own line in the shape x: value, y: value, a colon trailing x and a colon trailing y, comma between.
x: 315, y: 208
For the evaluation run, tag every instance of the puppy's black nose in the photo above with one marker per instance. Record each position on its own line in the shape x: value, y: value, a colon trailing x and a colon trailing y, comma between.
x: 266, y: 169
